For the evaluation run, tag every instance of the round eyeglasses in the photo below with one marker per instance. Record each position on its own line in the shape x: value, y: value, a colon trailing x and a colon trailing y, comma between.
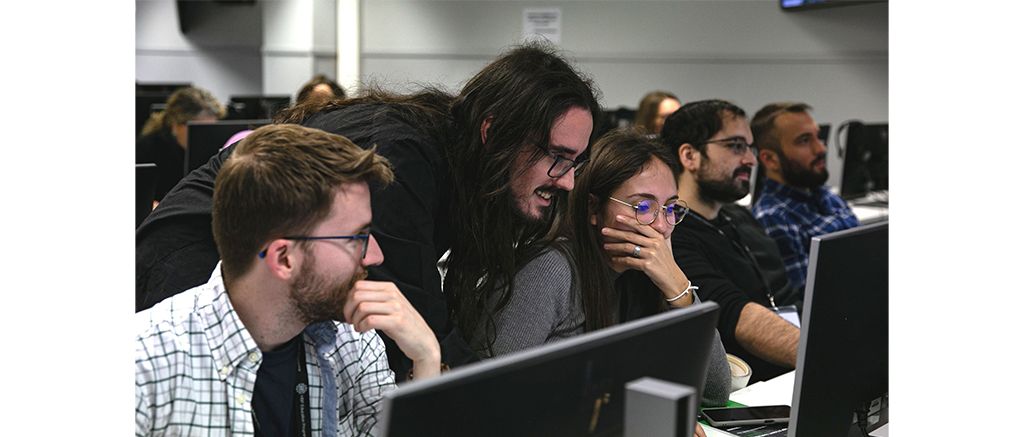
x: 646, y: 211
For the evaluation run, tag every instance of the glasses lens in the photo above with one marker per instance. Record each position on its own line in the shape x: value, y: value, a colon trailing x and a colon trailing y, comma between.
x: 560, y: 167
x: 645, y: 212
x: 676, y: 212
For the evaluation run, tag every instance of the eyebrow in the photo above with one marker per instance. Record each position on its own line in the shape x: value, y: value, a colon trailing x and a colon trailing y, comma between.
x: 652, y: 197
x: 556, y: 148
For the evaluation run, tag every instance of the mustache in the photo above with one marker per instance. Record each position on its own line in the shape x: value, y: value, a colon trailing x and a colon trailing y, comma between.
x: 744, y: 170
x: 820, y: 158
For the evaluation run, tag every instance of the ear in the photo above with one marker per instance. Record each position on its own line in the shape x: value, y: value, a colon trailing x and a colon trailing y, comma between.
x: 689, y: 157
x: 592, y: 209
x: 769, y: 159
x: 484, y: 127
x: 282, y: 259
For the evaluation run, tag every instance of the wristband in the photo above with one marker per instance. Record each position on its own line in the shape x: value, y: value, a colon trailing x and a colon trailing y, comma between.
x: 689, y: 286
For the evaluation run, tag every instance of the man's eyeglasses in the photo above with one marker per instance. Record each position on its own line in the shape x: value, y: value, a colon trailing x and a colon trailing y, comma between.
x: 561, y: 166
x: 735, y: 145
x: 364, y: 239
x: 646, y: 211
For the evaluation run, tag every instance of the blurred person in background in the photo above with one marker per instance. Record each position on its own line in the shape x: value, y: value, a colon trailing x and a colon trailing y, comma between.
x: 165, y: 136
x: 653, y: 109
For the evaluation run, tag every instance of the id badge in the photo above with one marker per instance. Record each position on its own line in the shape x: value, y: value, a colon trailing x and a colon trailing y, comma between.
x: 789, y: 314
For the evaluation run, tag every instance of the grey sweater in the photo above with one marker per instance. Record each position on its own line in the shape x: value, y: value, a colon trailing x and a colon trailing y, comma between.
x: 546, y: 306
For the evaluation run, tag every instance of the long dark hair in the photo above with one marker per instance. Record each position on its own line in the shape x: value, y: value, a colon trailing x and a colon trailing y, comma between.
x: 615, y: 157
x: 520, y: 95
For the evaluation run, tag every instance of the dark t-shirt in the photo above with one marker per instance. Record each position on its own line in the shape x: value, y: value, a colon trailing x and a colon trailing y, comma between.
x: 174, y: 248
x: 162, y: 149
x: 274, y: 395
x: 711, y: 254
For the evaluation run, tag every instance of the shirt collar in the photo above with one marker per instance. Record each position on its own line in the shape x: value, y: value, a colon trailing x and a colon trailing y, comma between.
x: 229, y: 341
x: 771, y: 187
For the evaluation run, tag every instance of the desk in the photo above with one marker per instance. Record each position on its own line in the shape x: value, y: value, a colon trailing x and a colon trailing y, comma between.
x: 775, y: 391
x: 870, y: 214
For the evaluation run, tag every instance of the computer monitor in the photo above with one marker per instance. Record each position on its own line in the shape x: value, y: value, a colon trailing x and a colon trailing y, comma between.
x: 843, y: 358
x: 206, y: 138
x: 145, y: 191
x: 572, y: 387
x: 256, y: 107
x: 865, y: 159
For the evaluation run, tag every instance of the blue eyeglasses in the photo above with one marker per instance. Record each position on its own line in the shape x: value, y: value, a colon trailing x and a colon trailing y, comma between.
x: 365, y: 238
x: 646, y: 211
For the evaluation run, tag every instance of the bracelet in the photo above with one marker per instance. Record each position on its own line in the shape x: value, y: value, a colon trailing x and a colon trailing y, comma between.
x: 689, y: 286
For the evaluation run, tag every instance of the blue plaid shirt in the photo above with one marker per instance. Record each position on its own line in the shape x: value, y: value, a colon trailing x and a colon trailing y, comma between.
x: 792, y: 216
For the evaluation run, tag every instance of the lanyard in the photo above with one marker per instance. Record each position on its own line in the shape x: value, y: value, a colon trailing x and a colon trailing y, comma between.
x: 301, y: 425
x: 744, y: 249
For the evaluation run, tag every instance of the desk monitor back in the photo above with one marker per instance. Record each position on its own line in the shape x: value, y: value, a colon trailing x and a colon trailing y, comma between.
x: 865, y: 158
x: 145, y: 191
x: 843, y: 357
x: 206, y: 138
x: 256, y: 107
x: 574, y: 386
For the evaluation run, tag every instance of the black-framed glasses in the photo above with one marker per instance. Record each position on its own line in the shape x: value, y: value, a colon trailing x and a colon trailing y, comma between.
x: 561, y: 166
x: 646, y: 211
x: 735, y: 145
x: 364, y: 238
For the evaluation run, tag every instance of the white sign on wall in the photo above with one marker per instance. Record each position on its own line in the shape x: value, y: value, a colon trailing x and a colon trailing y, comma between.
x: 543, y: 23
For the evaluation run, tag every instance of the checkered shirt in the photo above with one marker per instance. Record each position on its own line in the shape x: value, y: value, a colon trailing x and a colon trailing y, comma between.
x: 792, y: 216
x: 195, y: 370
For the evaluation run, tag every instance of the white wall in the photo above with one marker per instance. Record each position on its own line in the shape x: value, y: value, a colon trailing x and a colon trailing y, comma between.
x: 221, y: 52
x: 265, y: 47
x: 746, y: 51
x: 749, y: 52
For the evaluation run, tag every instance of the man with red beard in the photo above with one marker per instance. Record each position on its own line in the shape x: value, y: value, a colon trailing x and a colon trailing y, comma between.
x: 795, y: 204
x: 282, y: 339
x: 720, y: 246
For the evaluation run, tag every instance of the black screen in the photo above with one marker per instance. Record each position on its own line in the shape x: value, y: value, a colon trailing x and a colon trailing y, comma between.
x: 843, y: 360
x: 571, y: 387
x: 747, y: 413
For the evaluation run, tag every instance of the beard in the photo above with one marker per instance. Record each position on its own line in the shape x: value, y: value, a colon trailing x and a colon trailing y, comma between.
x: 724, y: 190
x: 802, y: 177
x: 524, y: 219
x: 317, y: 297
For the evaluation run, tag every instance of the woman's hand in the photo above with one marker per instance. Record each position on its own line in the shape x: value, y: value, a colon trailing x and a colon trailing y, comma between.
x: 654, y: 257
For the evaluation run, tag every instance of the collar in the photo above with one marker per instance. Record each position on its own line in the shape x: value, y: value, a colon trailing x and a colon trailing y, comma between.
x: 230, y: 343
x: 776, y: 189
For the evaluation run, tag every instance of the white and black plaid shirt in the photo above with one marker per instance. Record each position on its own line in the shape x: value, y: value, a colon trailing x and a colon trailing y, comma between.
x: 195, y: 370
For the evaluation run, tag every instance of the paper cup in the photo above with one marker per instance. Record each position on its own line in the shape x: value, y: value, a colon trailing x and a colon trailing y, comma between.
x: 740, y: 372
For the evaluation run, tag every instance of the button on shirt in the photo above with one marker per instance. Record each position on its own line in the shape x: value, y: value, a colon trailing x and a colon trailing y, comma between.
x: 195, y: 370
x: 792, y: 216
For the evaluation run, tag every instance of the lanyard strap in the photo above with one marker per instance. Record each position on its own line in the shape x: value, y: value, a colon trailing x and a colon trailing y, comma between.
x: 744, y: 249
x: 301, y: 425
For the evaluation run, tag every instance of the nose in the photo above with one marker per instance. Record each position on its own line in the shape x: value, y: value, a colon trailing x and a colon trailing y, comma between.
x: 662, y: 225
x: 567, y: 181
x: 374, y: 256
x: 819, y: 146
x: 748, y: 157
